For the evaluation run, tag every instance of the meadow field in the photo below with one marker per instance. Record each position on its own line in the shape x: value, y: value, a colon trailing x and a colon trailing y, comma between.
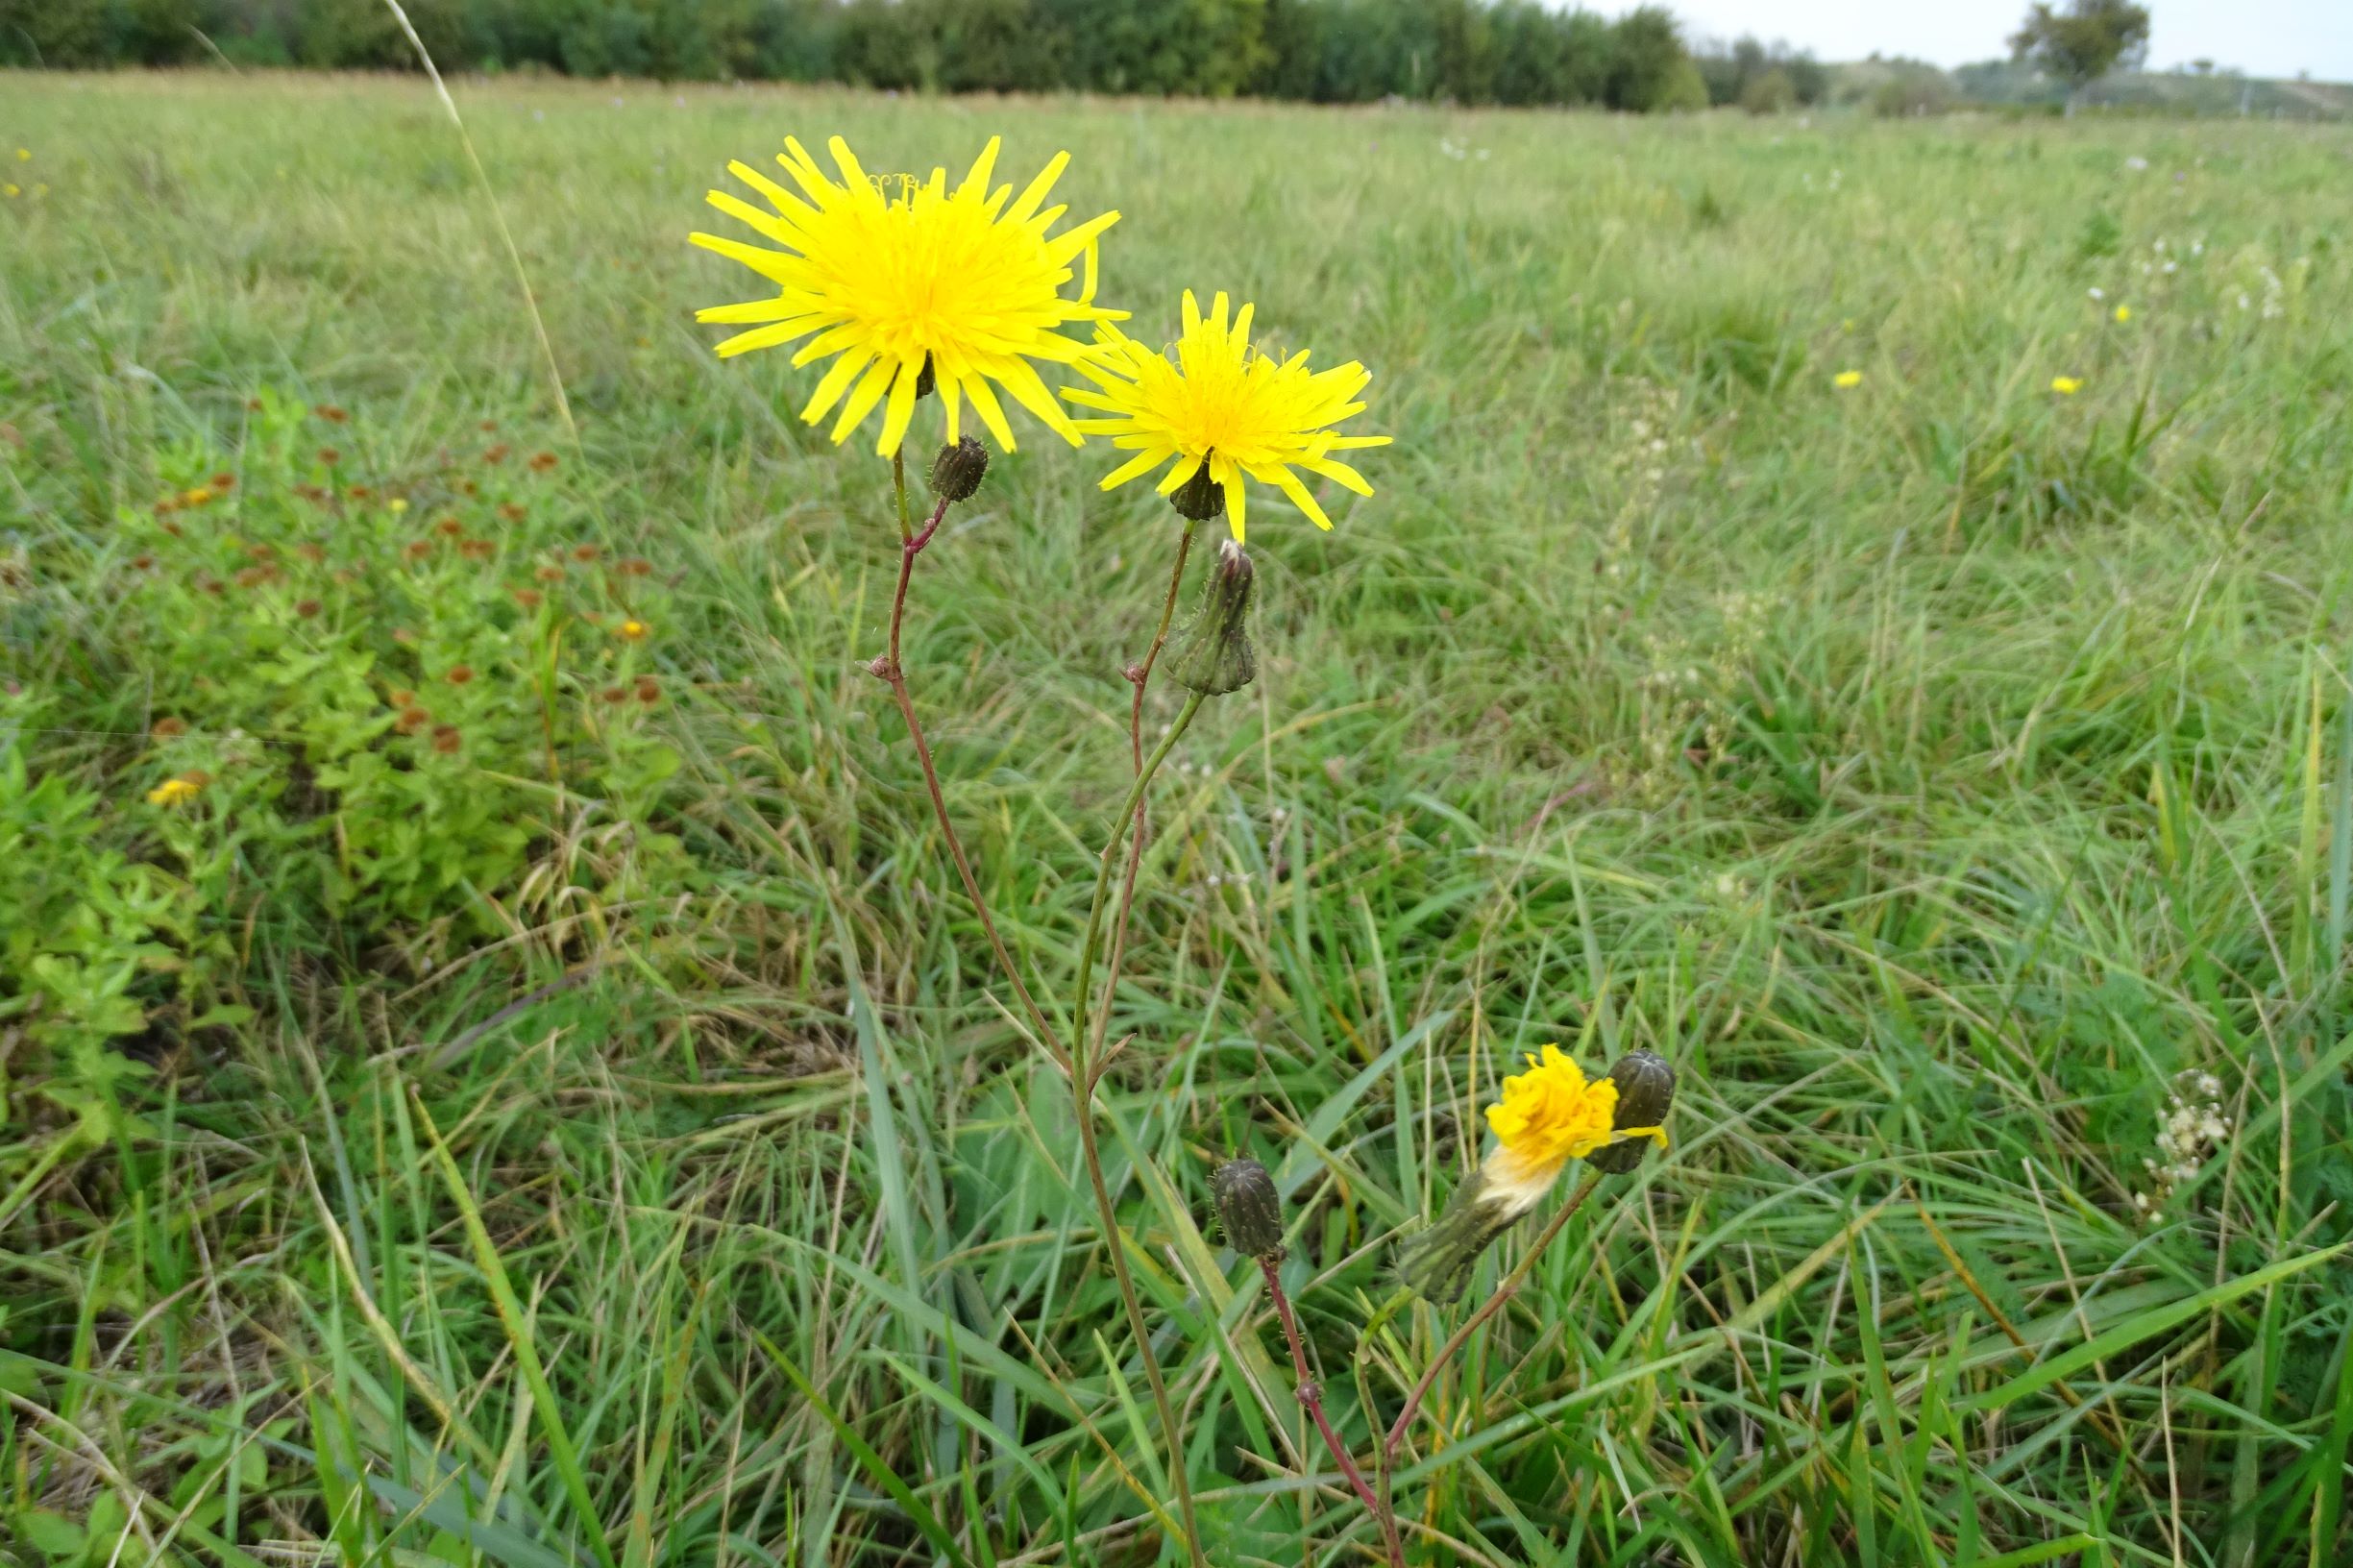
x: 583, y: 1125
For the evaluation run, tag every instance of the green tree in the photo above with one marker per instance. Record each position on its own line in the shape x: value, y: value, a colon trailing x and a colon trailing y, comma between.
x: 2085, y: 41
x: 1770, y: 93
x: 1650, y: 68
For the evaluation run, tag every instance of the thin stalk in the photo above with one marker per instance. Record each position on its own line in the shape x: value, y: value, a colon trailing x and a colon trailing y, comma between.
x: 891, y: 670
x: 1454, y: 1341
x: 1083, y: 1075
x: 1312, y: 1395
x: 1140, y: 676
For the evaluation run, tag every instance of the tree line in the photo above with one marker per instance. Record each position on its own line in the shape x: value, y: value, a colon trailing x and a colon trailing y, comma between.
x: 1512, y: 52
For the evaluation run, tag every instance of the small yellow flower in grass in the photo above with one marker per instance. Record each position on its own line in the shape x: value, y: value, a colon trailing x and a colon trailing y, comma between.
x: 10, y: 190
x: 2067, y: 386
x: 632, y: 631
x: 909, y: 286
x: 1548, y: 1116
x: 1225, y: 409
x: 398, y: 505
x: 2123, y: 312
x: 173, y: 792
x: 24, y: 155
x: 1847, y: 380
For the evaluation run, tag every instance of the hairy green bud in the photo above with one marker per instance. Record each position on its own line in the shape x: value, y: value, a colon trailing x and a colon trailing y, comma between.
x: 956, y: 473
x: 1646, y: 1093
x: 1248, y: 1208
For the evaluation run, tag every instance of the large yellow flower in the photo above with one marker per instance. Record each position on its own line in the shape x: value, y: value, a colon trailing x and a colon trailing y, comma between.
x: 890, y: 277
x: 1224, y: 405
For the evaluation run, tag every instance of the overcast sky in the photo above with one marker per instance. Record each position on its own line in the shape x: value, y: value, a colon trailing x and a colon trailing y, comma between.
x: 2263, y: 37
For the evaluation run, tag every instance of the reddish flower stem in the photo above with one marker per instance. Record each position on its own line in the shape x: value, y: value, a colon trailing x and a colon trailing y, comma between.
x: 1454, y: 1341
x: 889, y: 668
x: 1312, y: 1395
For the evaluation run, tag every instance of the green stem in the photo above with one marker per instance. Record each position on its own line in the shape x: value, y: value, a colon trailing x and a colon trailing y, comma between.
x: 1140, y: 676
x: 1103, y: 876
x: 1083, y: 1076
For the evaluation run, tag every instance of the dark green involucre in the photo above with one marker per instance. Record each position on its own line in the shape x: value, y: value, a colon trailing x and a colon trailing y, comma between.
x: 1646, y: 1093
x: 1199, y: 498
x: 1213, y: 656
x: 1249, y: 1207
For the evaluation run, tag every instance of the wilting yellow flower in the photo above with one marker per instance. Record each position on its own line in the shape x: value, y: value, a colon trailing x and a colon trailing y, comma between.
x: 1548, y: 1116
x: 2123, y: 312
x: 173, y: 790
x: 2067, y: 386
x: 633, y: 631
x: 1847, y: 380
x: 1224, y: 406
x: 895, y: 278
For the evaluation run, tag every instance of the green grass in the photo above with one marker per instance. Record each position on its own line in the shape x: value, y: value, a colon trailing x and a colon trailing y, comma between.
x: 1932, y: 770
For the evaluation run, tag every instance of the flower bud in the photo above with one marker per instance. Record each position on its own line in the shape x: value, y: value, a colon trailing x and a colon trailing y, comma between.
x: 1248, y: 1208
x: 1199, y: 498
x: 1212, y: 654
x: 926, y: 379
x: 1646, y: 1092
x: 956, y: 473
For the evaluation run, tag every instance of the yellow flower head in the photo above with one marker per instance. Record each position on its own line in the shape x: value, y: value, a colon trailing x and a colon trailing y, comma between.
x: 1847, y: 380
x: 891, y: 278
x: 2123, y: 312
x: 1225, y: 404
x: 633, y: 631
x: 173, y: 792
x: 1550, y: 1115
x: 11, y: 189
x: 2067, y: 386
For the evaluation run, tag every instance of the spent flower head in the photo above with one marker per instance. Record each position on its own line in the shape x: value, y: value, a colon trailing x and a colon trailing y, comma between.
x: 907, y: 285
x: 1225, y: 408
x: 1213, y: 656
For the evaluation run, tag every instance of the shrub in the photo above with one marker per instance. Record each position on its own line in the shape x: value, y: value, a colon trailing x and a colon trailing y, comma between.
x: 394, y: 708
